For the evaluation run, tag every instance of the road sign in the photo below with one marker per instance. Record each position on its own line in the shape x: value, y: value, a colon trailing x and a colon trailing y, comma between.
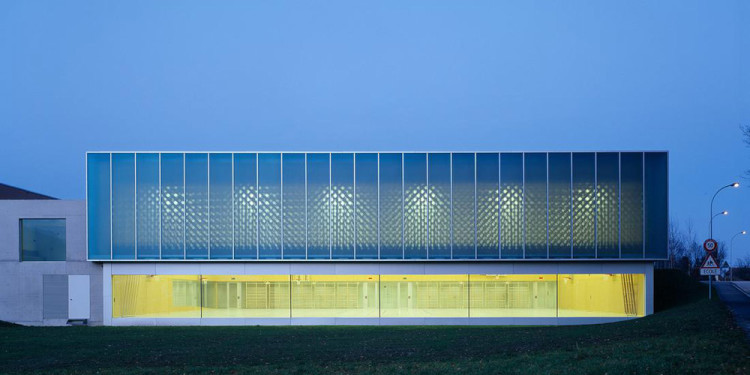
x: 709, y: 266
x: 710, y: 245
x: 710, y: 271
x: 709, y: 262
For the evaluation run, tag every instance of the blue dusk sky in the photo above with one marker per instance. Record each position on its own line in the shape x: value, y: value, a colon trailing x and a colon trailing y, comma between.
x: 381, y: 75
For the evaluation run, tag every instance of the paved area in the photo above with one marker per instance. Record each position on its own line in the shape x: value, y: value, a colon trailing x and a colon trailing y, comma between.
x: 736, y: 295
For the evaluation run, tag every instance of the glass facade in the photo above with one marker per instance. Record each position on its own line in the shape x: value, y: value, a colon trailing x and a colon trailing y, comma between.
x: 377, y: 206
x: 374, y: 296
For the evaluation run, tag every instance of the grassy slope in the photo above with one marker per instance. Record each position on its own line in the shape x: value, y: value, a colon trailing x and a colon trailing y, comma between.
x: 679, y: 339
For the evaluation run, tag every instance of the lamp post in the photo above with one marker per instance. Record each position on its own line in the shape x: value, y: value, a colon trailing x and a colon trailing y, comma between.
x: 711, y: 222
x: 731, y: 252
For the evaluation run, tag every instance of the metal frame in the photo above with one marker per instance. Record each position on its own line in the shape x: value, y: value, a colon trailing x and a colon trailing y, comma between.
x: 354, y: 217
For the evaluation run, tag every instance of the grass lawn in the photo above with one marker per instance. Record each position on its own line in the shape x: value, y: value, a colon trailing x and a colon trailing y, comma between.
x: 688, y: 335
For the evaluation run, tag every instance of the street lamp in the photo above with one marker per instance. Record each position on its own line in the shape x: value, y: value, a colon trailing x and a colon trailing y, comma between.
x: 711, y: 223
x: 731, y: 251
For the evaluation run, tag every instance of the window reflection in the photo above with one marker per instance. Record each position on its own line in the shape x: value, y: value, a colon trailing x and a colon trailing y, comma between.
x: 42, y: 239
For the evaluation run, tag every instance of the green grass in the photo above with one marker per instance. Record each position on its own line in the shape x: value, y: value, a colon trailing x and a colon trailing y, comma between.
x: 690, y: 335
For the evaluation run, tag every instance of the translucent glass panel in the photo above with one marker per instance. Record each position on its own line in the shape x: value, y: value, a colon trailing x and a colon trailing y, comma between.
x: 147, y: 206
x: 424, y: 296
x: 123, y: 206
x: 98, y: 206
x: 488, y: 210
x: 366, y: 205
x: 345, y: 296
x: 342, y: 206
x: 220, y: 206
x: 415, y: 206
x: 318, y: 206
x: 245, y: 296
x: 535, y: 204
x: 293, y: 188
x: 439, y: 210
x: 42, y: 239
x: 196, y: 206
x: 584, y: 206
x: 245, y: 206
x: 269, y: 205
x: 513, y: 295
x: 601, y: 295
x: 657, y: 204
x: 559, y: 205
x: 511, y: 206
x: 377, y: 206
x: 172, y: 206
x: 464, y: 205
x: 156, y: 296
x: 631, y: 211
x: 607, y: 205
x: 391, y: 207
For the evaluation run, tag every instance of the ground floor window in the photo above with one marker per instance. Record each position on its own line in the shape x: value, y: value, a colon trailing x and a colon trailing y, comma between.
x: 374, y: 296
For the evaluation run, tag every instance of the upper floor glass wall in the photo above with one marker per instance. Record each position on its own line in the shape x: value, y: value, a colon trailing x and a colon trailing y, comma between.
x: 388, y: 206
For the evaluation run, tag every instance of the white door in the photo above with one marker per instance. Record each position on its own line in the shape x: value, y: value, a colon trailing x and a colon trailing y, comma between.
x: 79, y: 299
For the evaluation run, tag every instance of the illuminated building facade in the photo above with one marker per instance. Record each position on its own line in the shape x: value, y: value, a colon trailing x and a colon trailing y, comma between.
x: 376, y: 237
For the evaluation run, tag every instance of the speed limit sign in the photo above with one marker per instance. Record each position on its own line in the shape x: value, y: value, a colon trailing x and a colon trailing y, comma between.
x: 710, y: 245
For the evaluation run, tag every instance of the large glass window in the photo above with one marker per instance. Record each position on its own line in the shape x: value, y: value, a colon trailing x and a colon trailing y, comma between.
x: 439, y: 181
x: 344, y: 296
x: 123, y: 206
x: 42, y: 239
x: 245, y: 206
x: 366, y: 203
x: 464, y: 207
x: 513, y: 295
x: 98, y: 206
x: 373, y: 296
x: 584, y: 205
x: 269, y: 205
x: 391, y: 207
x: 172, y: 206
x: 147, y: 206
x: 318, y: 206
x: 488, y: 200
x: 535, y: 205
x: 631, y: 214
x: 511, y: 205
x: 607, y: 205
x: 245, y: 296
x: 601, y: 295
x: 294, y: 206
x: 424, y: 296
x: 657, y: 205
x: 342, y: 206
x: 156, y: 296
x: 559, y: 205
x: 220, y: 206
x: 196, y: 206
x: 415, y: 206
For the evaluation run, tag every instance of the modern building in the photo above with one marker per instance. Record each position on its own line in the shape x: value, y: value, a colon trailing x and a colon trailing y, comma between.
x: 370, y: 237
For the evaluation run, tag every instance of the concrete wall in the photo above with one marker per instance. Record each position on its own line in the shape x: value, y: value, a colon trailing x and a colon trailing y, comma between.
x: 21, y: 283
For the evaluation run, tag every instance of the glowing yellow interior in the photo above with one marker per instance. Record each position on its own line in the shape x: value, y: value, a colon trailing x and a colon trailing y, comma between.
x: 372, y: 296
